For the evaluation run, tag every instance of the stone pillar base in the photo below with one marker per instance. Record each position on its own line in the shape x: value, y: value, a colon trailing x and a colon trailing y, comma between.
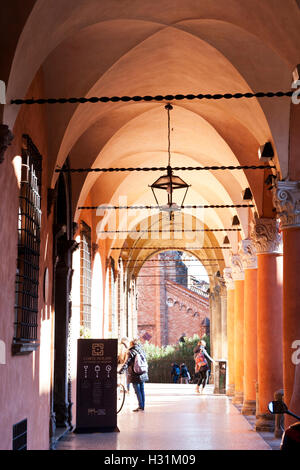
x: 249, y: 407
x: 238, y: 398
x: 230, y: 390
x: 265, y: 423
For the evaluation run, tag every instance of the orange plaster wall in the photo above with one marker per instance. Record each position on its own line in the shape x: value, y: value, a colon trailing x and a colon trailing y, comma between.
x: 25, y: 380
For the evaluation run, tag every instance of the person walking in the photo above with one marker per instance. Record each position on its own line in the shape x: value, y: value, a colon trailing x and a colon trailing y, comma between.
x: 137, y: 371
x: 175, y: 372
x: 201, y: 358
x: 122, y: 356
x: 184, y: 374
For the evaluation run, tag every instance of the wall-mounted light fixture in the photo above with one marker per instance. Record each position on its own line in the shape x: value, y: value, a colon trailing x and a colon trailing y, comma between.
x: 247, y: 195
x: 266, y: 152
x: 235, y: 220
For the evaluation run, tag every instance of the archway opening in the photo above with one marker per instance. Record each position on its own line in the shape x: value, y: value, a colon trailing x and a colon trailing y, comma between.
x: 173, y: 298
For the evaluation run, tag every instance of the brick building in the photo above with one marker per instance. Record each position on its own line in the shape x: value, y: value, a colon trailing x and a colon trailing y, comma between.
x: 167, y: 305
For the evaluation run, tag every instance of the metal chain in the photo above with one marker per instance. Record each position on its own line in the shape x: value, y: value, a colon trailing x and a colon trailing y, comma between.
x: 204, y: 206
x: 173, y: 248
x: 177, y: 168
x: 178, y: 97
x: 174, y: 230
x: 169, y: 260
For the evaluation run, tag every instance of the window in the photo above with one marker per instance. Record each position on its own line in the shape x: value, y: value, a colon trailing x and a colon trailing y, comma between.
x: 85, y: 276
x: 27, y: 275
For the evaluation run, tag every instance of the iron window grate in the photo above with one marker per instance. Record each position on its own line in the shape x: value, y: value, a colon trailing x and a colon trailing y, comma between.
x: 29, y: 226
x: 85, y: 275
x: 20, y: 435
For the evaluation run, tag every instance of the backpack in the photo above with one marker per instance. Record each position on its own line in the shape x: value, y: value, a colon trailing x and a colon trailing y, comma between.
x: 140, y: 365
x: 184, y: 372
x: 200, y: 361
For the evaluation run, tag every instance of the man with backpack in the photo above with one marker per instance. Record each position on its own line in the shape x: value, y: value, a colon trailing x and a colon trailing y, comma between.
x: 184, y: 374
x: 137, y: 371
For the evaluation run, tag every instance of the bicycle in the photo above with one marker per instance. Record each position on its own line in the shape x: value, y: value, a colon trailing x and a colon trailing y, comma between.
x: 120, y: 397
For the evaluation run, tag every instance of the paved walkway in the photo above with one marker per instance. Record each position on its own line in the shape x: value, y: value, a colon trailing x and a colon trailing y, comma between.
x: 176, y: 418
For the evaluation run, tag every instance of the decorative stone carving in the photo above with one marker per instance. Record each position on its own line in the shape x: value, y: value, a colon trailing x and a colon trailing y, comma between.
x: 286, y: 198
x: 237, y: 267
x: 220, y: 285
x: 265, y: 236
x: 248, y: 254
x: 227, y: 275
x: 5, y: 140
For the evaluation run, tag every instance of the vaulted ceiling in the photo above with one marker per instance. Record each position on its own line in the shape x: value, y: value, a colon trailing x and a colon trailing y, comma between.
x: 112, y: 48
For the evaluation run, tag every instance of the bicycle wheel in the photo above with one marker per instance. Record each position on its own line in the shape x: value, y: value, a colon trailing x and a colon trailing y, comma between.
x: 120, y: 397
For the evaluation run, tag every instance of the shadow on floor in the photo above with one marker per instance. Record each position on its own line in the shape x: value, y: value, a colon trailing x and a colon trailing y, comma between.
x: 268, y: 437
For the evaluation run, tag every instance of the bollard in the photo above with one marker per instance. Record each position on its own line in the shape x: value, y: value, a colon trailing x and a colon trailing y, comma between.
x: 278, y: 396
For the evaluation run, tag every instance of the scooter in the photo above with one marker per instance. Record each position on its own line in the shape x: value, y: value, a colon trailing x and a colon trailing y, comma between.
x: 291, y: 436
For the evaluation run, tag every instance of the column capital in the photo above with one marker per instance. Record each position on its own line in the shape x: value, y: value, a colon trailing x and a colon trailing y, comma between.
x: 248, y: 254
x: 220, y: 285
x: 286, y: 199
x: 228, y: 279
x: 265, y: 235
x: 238, y: 273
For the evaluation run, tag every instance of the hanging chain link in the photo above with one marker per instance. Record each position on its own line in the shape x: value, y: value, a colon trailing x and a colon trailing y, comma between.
x: 204, y: 206
x: 178, y: 97
x: 162, y: 168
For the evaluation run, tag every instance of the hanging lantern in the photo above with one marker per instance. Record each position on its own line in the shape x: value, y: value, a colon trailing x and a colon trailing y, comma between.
x: 169, y: 182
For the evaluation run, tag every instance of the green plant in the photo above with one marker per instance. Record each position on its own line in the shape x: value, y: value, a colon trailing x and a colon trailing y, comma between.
x: 160, y: 358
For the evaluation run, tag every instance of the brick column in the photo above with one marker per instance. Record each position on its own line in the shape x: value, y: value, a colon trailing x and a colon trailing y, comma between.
x: 269, y: 317
x: 249, y: 261
x: 238, y: 276
x: 227, y: 274
x: 287, y: 202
